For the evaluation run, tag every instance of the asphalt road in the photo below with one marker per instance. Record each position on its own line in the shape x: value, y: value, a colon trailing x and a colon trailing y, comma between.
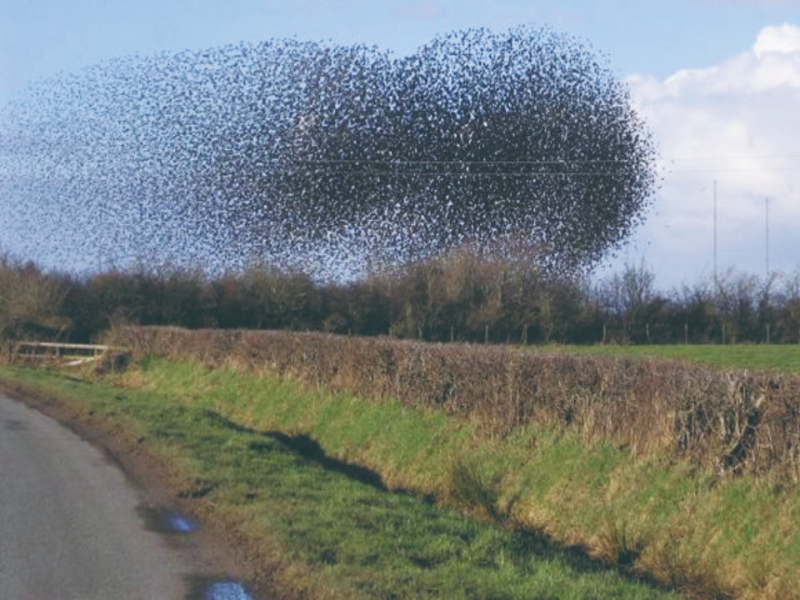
x: 71, y: 525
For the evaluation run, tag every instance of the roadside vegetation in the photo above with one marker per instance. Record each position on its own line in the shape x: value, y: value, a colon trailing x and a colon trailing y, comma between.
x: 683, y: 473
x: 322, y: 526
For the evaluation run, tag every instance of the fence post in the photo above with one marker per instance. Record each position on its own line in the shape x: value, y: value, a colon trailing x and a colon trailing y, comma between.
x: 604, y: 334
x: 767, y: 333
x: 686, y: 333
x: 647, y: 331
x: 723, y: 334
x: 525, y: 334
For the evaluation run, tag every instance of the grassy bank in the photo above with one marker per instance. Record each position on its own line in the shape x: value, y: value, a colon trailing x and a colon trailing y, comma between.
x: 731, y: 422
x: 289, y: 471
x: 666, y: 519
x: 763, y: 357
x: 682, y: 473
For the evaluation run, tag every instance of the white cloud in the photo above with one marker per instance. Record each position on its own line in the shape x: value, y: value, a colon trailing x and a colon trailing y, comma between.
x: 736, y: 123
x: 784, y: 39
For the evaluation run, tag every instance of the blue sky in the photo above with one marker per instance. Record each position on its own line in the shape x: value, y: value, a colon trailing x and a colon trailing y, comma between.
x: 717, y: 80
x: 41, y: 37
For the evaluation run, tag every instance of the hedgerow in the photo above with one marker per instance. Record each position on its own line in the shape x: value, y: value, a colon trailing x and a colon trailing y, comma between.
x: 733, y: 422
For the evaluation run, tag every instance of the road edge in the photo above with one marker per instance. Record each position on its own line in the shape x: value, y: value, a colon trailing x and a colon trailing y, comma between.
x: 160, y: 483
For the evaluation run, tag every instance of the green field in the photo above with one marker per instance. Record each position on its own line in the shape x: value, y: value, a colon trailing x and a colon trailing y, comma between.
x: 782, y: 358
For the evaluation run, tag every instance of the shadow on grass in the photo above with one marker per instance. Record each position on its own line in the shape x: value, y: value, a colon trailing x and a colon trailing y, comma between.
x: 310, y: 449
x: 524, y: 544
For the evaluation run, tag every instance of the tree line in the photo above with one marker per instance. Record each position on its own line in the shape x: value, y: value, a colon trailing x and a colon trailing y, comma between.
x: 465, y: 295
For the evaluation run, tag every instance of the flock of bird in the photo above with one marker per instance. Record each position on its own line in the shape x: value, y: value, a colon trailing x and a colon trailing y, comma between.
x: 330, y: 159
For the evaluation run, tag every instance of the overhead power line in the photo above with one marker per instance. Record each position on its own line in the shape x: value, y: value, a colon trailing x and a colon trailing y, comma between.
x: 532, y: 175
x: 555, y: 161
x: 736, y: 157
x: 747, y: 170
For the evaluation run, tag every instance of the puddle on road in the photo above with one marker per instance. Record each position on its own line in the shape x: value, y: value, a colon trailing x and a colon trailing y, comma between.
x: 165, y: 521
x: 180, y: 524
x: 217, y: 589
x: 170, y: 522
x: 227, y: 590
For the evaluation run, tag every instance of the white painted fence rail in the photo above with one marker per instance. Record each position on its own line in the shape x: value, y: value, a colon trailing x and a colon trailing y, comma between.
x: 80, y: 353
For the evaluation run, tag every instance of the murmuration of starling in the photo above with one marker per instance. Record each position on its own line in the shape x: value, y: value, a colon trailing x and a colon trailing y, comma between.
x: 332, y: 159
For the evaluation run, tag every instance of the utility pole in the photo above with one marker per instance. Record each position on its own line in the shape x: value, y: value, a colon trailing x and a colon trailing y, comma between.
x: 715, y: 235
x: 766, y: 234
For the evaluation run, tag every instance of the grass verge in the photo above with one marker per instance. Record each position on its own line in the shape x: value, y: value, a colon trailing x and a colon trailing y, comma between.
x: 291, y: 471
x: 707, y: 535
